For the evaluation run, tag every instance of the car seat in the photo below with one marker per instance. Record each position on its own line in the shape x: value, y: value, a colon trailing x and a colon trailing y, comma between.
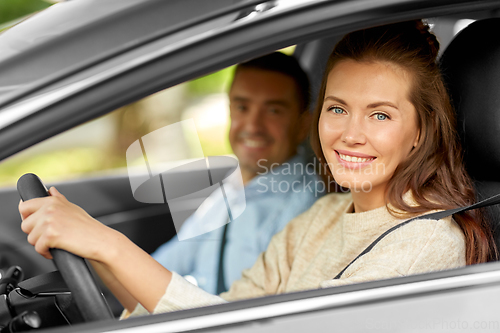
x: 471, y: 70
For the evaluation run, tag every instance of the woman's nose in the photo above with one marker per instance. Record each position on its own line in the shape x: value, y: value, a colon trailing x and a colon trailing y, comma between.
x: 354, y: 132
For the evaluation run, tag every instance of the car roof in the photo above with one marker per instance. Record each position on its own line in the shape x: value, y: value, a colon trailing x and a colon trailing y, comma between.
x: 75, y: 34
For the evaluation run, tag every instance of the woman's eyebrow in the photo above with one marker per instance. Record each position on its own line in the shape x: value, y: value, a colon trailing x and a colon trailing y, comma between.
x: 385, y: 103
x: 335, y: 99
x: 369, y: 106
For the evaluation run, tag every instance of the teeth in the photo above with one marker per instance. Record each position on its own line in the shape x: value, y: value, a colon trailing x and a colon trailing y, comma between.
x: 354, y: 159
x: 254, y: 143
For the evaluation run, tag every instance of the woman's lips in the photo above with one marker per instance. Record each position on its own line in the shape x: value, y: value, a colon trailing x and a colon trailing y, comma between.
x: 352, y: 160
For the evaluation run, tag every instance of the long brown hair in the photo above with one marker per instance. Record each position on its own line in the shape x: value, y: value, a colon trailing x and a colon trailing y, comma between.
x: 433, y: 171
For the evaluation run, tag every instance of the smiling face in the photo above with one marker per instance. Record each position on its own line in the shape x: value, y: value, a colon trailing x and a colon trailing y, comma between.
x: 266, y: 122
x: 367, y: 125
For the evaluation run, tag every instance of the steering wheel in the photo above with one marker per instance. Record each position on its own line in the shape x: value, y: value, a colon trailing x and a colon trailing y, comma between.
x: 73, y: 269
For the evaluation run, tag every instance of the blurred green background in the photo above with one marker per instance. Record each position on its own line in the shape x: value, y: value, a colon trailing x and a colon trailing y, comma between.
x: 11, y: 11
x: 100, y: 146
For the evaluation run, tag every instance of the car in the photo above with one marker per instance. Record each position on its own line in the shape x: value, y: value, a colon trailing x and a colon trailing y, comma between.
x: 69, y: 67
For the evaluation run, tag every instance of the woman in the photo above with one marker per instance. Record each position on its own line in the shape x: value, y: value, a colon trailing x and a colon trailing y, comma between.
x: 384, y: 128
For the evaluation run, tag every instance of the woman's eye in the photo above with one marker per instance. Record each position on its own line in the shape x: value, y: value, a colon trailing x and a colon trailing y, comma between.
x: 381, y: 116
x: 336, y: 110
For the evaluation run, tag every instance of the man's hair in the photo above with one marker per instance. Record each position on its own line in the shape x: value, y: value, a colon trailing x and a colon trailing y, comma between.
x: 284, y: 64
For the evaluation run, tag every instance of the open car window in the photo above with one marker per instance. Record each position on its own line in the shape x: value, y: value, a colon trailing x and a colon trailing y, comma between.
x: 98, y: 147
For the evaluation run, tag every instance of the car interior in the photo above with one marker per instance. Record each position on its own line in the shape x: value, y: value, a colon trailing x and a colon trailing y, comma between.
x: 472, y: 80
x: 471, y: 68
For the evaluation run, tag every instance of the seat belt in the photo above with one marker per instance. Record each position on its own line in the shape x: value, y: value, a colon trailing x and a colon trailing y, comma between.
x: 221, y: 283
x: 432, y: 216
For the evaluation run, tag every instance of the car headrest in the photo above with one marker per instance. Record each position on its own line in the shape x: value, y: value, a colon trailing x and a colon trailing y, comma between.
x: 471, y: 69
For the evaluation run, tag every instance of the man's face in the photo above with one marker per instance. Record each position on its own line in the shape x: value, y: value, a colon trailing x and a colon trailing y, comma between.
x: 266, y: 122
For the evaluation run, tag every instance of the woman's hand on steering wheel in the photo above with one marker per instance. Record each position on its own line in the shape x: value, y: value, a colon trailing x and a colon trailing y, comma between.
x: 54, y: 222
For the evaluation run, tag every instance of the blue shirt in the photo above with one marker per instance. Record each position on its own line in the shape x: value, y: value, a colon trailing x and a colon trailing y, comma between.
x: 273, y: 198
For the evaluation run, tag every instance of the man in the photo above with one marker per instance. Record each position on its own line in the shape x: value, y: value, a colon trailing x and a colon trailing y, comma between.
x: 268, y: 99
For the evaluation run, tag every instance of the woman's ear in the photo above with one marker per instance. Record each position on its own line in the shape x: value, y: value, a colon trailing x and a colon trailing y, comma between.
x: 416, y: 139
